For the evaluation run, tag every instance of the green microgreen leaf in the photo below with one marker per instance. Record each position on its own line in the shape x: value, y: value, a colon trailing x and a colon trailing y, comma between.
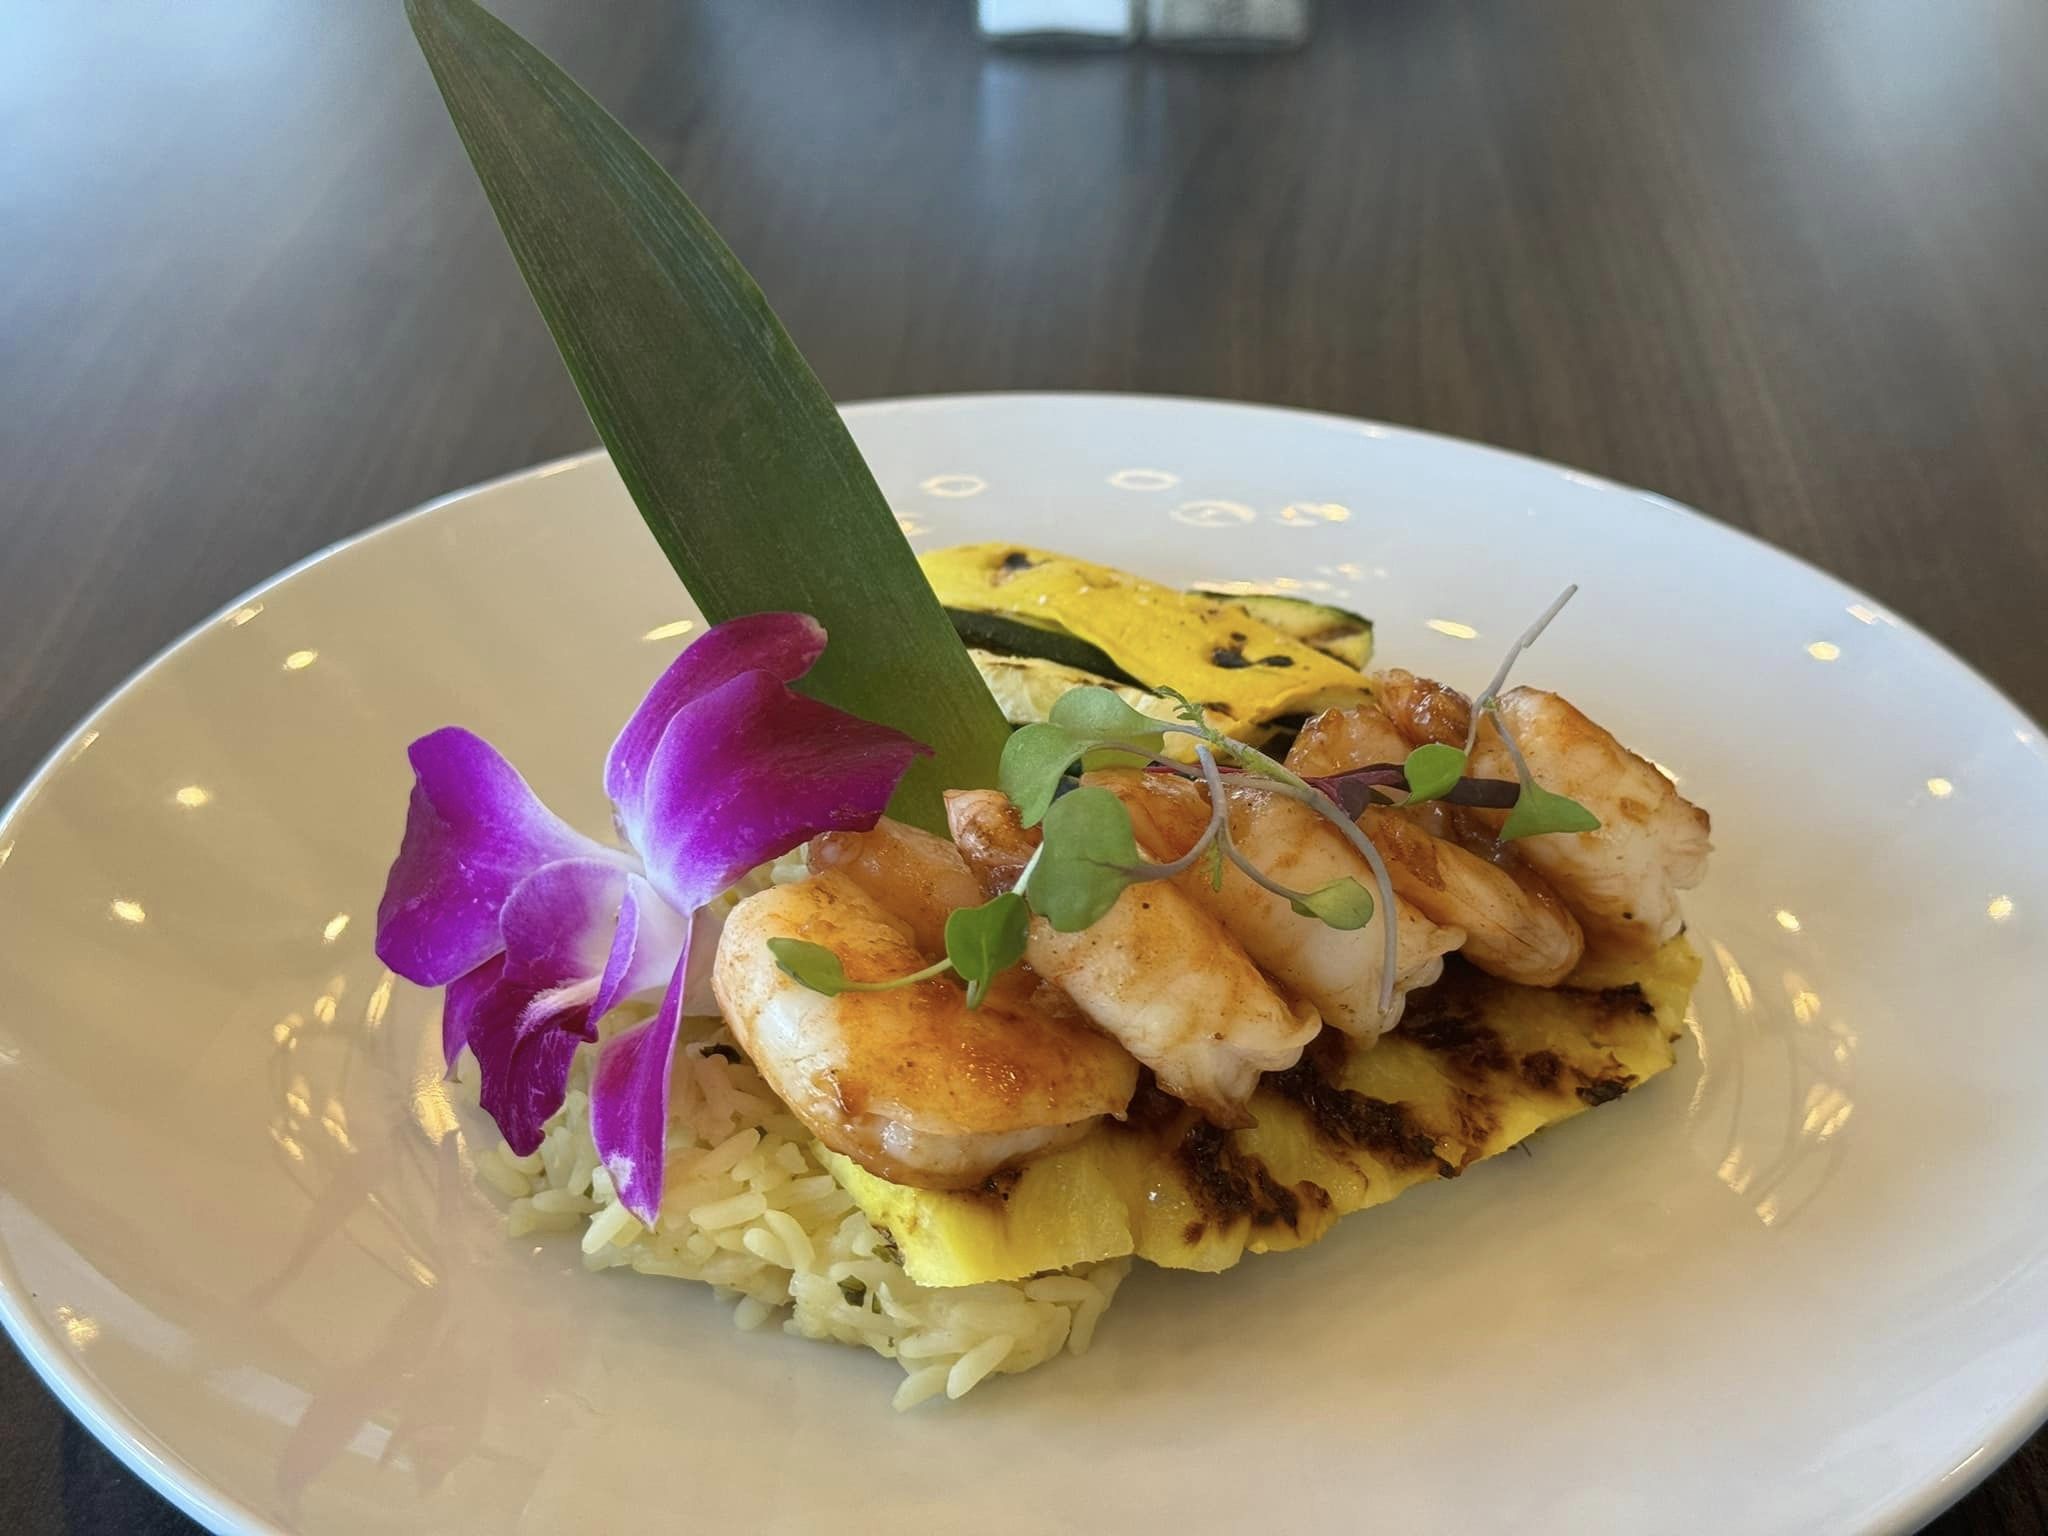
x: 1538, y: 811
x: 984, y: 941
x: 1431, y: 771
x: 729, y: 446
x: 1088, y: 857
x: 1100, y: 715
x: 813, y: 965
x: 1188, y: 710
x: 1034, y: 761
x: 1343, y: 903
x: 816, y: 967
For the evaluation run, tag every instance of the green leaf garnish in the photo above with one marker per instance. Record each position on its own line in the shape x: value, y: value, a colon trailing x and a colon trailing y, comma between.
x: 1082, y: 721
x: 1431, y: 771
x: 816, y: 967
x: 1086, y: 860
x: 729, y: 446
x: 1102, y: 716
x: 1538, y: 811
x: 1343, y: 903
x: 1034, y: 761
x: 984, y: 941
x: 813, y: 965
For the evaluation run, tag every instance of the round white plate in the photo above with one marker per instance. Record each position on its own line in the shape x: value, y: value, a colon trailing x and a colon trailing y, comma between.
x: 1799, y: 1283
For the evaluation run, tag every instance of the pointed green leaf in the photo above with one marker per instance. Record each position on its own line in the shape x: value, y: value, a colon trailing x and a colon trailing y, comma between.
x: 1538, y: 811
x: 730, y: 448
x: 813, y: 965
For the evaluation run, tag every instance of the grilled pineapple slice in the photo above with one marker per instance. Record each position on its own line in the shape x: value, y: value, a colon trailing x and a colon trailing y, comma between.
x: 1477, y: 1066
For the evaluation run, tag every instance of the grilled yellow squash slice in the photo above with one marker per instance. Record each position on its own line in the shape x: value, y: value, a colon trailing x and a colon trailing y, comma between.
x: 1211, y: 647
x: 1477, y: 1065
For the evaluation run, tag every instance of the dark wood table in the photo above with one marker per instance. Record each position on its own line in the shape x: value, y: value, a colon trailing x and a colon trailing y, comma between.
x: 1786, y: 262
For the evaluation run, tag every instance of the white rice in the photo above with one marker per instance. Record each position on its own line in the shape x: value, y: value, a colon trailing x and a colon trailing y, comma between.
x: 749, y: 1209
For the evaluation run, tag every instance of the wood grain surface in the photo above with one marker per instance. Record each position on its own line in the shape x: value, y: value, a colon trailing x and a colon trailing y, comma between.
x: 1783, y: 261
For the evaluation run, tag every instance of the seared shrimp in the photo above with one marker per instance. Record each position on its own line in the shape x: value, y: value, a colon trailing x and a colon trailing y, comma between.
x: 920, y: 878
x: 1622, y: 880
x: 1421, y: 709
x: 1156, y: 972
x: 1338, y: 971
x: 1441, y: 861
x: 1515, y: 925
x: 1338, y: 740
x: 908, y: 1083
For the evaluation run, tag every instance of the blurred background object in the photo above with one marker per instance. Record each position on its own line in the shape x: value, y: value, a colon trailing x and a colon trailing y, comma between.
x: 1061, y: 23
x: 1227, y: 25
x: 1783, y: 262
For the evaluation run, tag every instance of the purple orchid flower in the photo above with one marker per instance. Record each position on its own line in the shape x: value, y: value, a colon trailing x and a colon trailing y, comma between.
x: 537, y: 931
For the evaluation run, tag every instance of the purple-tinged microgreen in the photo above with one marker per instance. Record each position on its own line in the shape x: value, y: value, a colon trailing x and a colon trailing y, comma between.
x: 984, y: 941
x: 1432, y: 771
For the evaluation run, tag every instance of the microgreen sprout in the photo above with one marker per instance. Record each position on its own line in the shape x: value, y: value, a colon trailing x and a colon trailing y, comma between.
x: 1432, y: 771
x: 1536, y: 809
x: 981, y: 943
x: 1489, y: 697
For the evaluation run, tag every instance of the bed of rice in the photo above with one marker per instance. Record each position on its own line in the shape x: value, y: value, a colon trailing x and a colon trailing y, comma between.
x: 749, y: 1209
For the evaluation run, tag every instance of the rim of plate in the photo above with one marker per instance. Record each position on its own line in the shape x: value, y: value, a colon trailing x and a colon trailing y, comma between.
x: 193, y: 1493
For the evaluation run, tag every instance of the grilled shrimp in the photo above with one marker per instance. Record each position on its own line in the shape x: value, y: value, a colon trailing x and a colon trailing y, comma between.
x: 1156, y: 972
x: 1442, y: 862
x: 1623, y: 880
x: 1421, y: 709
x: 918, y: 877
x: 908, y: 1083
x: 1338, y: 971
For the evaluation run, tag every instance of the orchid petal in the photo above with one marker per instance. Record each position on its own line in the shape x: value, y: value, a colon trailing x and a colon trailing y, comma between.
x: 707, y: 926
x: 558, y: 922
x: 524, y: 1039
x: 473, y: 831
x: 524, y: 1013
x: 784, y: 645
x: 650, y: 939
x: 629, y: 1092
x: 750, y: 770
x: 459, y: 1005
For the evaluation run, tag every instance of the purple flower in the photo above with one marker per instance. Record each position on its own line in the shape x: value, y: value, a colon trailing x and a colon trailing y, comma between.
x: 537, y: 931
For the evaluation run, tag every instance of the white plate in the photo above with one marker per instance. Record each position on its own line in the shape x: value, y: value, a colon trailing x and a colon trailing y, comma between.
x: 1796, y: 1284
